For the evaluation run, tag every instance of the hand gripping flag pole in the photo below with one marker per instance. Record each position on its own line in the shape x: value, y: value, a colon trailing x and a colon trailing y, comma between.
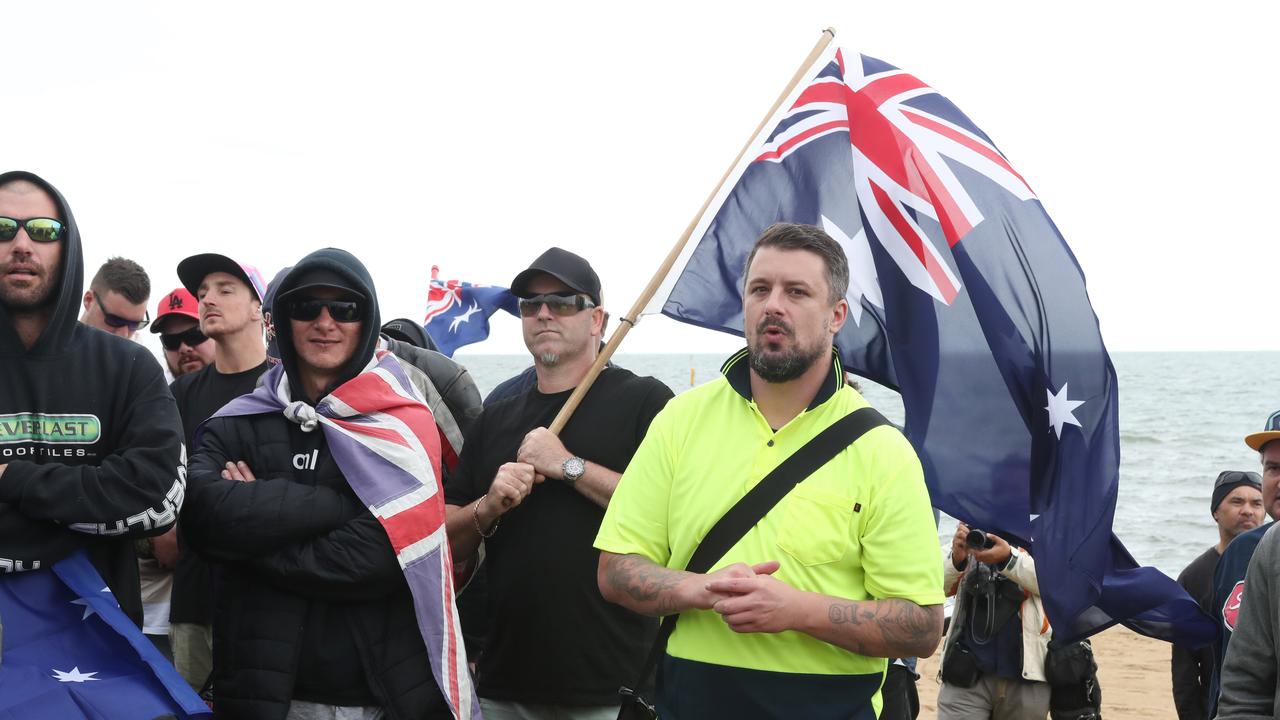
x: 629, y: 320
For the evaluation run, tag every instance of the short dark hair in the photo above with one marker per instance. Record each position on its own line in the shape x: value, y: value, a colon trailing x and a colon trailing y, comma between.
x: 125, y: 277
x: 794, y: 236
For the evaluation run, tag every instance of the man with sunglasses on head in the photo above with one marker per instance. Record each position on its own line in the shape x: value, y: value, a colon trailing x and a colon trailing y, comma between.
x: 90, y: 449
x: 315, y: 615
x: 116, y: 301
x: 554, y: 648
x: 229, y: 303
x: 1236, y: 508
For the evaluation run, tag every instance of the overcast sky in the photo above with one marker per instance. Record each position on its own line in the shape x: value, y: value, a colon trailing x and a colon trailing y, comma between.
x: 475, y: 135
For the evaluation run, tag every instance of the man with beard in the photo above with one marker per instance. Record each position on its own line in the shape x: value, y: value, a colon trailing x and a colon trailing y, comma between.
x: 186, y: 349
x: 229, y: 298
x: 553, y: 648
x: 797, y: 619
x: 90, y: 451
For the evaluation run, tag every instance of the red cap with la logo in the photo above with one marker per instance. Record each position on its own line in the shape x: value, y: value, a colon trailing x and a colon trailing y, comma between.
x: 180, y: 302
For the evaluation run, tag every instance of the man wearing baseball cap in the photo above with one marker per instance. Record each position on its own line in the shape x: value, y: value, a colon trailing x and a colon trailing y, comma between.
x: 1236, y: 507
x: 186, y: 349
x: 1230, y: 599
x: 229, y: 302
x: 536, y: 501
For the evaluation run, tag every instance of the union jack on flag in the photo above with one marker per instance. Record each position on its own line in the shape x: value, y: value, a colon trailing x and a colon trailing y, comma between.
x: 458, y: 312
x: 901, y: 143
x: 965, y: 298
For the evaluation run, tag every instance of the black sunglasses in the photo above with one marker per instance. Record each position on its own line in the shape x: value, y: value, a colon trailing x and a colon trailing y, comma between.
x: 343, y: 311
x: 173, y: 341
x: 39, y: 229
x: 1228, y: 477
x: 116, y: 321
x: 562, y: 304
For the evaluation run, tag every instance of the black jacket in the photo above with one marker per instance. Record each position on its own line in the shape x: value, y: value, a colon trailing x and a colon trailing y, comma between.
x: 281, y: 545
x: 89, y: 434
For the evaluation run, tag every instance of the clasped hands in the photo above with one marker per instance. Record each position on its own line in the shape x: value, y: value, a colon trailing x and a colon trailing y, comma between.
x: 541, y: 456
x: 748, y: 597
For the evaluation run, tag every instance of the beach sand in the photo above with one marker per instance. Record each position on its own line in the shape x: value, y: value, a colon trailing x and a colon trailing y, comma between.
x: 1132, y: 670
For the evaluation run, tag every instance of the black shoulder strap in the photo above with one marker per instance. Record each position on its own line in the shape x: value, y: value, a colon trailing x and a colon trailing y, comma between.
x: 734, y: 524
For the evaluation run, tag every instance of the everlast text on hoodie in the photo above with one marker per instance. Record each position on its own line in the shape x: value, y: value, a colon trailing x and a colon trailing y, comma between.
x: 90, y: 438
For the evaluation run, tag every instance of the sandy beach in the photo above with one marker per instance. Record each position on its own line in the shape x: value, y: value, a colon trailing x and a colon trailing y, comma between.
x: 1133, y: 671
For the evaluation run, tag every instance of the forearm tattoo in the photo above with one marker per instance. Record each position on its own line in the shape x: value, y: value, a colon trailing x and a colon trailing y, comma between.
x: 890, y: 628
x: 644, y: 581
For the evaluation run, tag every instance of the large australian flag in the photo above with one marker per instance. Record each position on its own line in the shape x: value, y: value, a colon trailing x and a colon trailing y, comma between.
x: 964, y: 297
x: 71, y: 653
x: 458, y: 312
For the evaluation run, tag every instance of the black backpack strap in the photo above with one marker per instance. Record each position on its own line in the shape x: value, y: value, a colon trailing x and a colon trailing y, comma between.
x: 734, y: 524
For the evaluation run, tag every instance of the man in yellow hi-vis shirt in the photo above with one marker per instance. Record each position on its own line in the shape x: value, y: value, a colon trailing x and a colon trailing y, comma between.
x: 796, y: 620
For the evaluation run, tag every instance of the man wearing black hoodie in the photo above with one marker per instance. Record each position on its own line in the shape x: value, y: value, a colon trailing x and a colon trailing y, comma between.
x: 313, y: 616
x: 90, y: 442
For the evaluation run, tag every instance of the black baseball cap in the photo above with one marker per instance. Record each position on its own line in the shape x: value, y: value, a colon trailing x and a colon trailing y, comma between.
x: 192, y: 272
x: 570, y: 269
x: 320, y: 277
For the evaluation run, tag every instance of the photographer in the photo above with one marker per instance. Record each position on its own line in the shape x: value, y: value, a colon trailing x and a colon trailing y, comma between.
x: 993, y: 663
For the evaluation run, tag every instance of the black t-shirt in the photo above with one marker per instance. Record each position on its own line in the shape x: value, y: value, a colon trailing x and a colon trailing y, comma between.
x: 199, y: 395
x: 552, y: 637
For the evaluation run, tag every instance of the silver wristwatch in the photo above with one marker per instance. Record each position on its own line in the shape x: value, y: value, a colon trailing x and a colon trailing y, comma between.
x: 573, y: 468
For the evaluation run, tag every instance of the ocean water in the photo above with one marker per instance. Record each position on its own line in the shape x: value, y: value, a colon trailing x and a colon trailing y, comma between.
x: 1183, y: 418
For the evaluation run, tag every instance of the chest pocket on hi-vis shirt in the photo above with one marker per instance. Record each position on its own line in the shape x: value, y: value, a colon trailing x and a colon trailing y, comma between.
x: 816, y: 526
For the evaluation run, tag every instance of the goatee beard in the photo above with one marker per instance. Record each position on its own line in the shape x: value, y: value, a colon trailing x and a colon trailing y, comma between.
x: 782, y: 366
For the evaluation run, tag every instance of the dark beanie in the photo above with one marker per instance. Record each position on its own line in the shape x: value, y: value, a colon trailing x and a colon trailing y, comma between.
x: 1229, y: 480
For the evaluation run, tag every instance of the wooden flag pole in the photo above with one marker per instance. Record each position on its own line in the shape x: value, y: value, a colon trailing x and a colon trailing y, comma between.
x: 627, y: 322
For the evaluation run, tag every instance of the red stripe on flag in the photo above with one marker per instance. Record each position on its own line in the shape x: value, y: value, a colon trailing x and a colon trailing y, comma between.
x: 882, y: 89
x: 414, y: 524
x: 451, y: 629
x: 965, y: 140
x: 915, y: 242
x: 807, y: 134
x: 373, y: 431
x: 954, y: 223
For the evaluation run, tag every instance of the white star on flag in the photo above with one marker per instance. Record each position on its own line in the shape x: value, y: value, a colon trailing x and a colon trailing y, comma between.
x: 465, y: 316
x: 863, y: 281
x: 88, y: 609
x: 73, y: 675
x: 1061, y: 409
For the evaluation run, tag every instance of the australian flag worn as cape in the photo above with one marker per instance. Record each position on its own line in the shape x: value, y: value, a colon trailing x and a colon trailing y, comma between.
x: 965, y: 298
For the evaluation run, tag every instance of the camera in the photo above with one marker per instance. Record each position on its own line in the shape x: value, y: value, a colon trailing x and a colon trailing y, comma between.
x: 978, y: 540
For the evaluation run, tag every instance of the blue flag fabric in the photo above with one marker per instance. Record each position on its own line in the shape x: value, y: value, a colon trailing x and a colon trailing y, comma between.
x: 965, y: 298
x: 70, y: 652
x: 458, y: 312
